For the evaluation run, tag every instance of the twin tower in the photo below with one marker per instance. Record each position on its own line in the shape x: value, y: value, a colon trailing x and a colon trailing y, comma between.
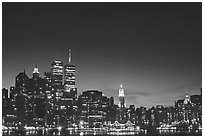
x: 68, y: 71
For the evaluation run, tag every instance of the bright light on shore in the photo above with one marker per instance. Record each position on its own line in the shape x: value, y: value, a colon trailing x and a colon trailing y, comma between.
x: 59, y: 128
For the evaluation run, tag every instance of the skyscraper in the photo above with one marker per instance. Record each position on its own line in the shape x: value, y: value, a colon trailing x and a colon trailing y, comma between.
x: 187, y: 108
x: 35, y: 109
x: 21, y: 82
x: 68, y: 104
x: 93, y: 108
x: 4, y: 101
x: 36, y: 83
x: 50, y: 100
x: 121, y: 97
x: 121, y: 111
x: 69, y: 74
x: 57, y: 72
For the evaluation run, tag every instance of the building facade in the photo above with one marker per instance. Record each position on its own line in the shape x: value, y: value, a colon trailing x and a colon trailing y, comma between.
x: 93, y: 108
x: 57, y: 72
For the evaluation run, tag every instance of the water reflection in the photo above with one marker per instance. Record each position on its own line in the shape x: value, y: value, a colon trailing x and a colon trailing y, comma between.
x: 78, y: 132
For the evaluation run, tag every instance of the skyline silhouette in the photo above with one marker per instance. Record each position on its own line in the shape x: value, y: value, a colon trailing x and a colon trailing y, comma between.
x: 153, y: 49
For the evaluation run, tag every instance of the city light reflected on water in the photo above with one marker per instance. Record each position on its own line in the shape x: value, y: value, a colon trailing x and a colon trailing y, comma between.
x: 47, y: 107
x: 97, y: 132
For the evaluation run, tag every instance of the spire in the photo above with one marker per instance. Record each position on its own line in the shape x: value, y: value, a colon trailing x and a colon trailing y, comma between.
x: 121, y: 86
x: 69, y: 56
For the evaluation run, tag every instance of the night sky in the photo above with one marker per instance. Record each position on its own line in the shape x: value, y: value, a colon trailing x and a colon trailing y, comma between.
x: 153, y: 49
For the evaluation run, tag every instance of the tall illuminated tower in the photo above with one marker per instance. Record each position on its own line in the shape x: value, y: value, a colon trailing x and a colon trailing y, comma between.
x: 57, y: 72
x: 68, y: 100
x: 69, y: 74
x: 121, y: 97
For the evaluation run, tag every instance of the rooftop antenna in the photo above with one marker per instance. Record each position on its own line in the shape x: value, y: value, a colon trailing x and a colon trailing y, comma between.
x: 69, y: 56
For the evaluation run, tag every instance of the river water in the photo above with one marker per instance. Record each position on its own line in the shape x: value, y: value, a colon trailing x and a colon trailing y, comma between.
x: 65, y: 132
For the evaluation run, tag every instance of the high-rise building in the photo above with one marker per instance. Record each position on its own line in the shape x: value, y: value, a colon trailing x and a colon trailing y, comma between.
x: 121, y: 97
x: 20, y: 98
x: 7, y: 109
x: 93, y: 108
x: 50, y: 100
x: 184, y: 109
x: 4, y: 101
x: 21, y: 82
x: 57, y: 72
x: 112, y: 111
x: 69, y: 74
x: 68, y: 105
x: 179, y: 110
x: 49, y: 84
x: 122, y: 115
x: 196, y: 114
x: 20, y: 101
x: 159, y: 114
x: 141, y: 116
x: 187, y: 108
x: 131, y: 113
x: 35, y: 100
x: 36, y: 83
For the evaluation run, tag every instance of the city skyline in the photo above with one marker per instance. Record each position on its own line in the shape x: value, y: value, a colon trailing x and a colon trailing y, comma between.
x: 118, y: 93
x: 156, y: 55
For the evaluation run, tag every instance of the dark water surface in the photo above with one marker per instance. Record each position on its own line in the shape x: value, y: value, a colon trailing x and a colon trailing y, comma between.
x: 66, y: 132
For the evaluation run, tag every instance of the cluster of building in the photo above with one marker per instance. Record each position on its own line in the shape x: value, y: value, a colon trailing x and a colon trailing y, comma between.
x: 52, y: 101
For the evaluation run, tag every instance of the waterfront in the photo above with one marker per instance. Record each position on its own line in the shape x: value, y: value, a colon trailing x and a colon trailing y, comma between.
x: 97, y: 132
x: 101, y: 69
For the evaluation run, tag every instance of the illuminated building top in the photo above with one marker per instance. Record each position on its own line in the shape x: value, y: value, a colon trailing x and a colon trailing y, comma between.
x: 187, y: 99
x: 36, y: 69
x: 57, y: 72
x: 69, y: 74
x: 121, y: 97
x: 121, y: 91
x: 57, y: 68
